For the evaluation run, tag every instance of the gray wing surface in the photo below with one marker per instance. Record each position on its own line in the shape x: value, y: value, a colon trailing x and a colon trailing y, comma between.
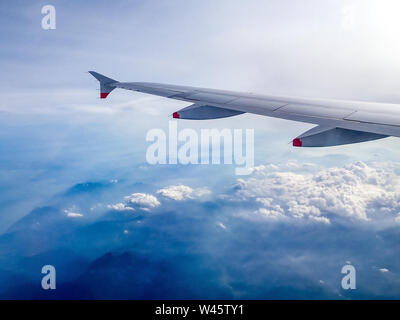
x: 338, y: 122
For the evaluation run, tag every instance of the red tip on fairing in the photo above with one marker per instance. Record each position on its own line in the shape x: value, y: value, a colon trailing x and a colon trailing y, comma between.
x: 176, y: 115
x: 104, y: 95
x: 297, y: 143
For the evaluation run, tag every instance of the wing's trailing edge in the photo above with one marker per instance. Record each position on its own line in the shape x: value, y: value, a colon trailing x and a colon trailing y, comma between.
x: 338, y: 122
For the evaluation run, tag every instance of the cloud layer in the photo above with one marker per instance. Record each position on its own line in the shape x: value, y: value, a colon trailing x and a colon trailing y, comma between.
x: 357, y: 192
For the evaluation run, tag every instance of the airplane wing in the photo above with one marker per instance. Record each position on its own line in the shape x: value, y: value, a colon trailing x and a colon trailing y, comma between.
x: 338, y: 122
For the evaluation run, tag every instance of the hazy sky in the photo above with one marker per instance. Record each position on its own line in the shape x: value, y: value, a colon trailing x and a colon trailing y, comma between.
x: 313, y: 48
x: 338, y: 49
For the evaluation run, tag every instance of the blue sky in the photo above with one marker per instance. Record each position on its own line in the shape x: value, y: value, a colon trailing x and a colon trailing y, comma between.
x: 76, y: 190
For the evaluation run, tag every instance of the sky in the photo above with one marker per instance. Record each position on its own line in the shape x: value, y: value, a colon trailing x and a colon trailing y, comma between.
x: 76, y: 191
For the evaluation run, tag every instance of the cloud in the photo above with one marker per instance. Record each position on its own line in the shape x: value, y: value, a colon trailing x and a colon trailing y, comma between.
x: 384, y: 270
x: 182, y: 192
x: 145, y: 201
x: 142, y: 200
x: 120, y: 207
x: 72, y: 214
x: 357, y: 191
x: 221, y: 225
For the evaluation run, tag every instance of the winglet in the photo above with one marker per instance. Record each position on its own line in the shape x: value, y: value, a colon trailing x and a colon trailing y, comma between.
x: 105, y: 84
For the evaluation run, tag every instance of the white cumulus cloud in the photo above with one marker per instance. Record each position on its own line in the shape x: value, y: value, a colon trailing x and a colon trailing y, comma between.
x: 357, y: 191
x: 221, y: 225
x: 120, y: 207
x: 182, y: 192
x: 142, y: 200
x: 72, y: 214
